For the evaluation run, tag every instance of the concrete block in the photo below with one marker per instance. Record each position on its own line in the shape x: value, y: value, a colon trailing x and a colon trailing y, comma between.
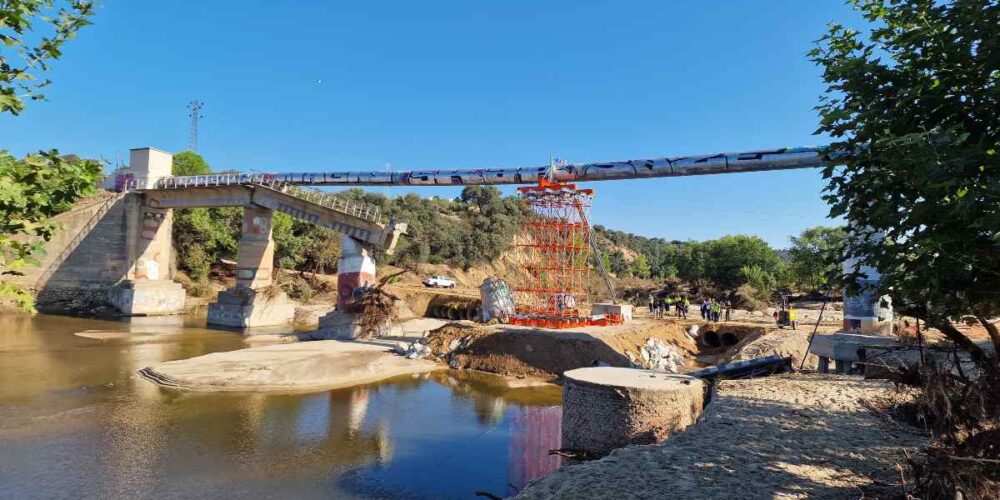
x: 607, y: 408
x: 147, y: 297
x: 844, y: 346
x: 339, y: 325
x: 242, y: 307
x: 625, y: 310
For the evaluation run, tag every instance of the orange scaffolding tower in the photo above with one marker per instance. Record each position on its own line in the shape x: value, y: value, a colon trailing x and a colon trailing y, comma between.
x: 554, y: 255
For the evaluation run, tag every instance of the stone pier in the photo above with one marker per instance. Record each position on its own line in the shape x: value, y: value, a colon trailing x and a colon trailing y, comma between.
x: 253, y: 301
x: 147, y: 288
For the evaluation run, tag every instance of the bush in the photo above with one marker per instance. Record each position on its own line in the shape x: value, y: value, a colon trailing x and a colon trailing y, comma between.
x: 298, y: 288
x: 747, y: 297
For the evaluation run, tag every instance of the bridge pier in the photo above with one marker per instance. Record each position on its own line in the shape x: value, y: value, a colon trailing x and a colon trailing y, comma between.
x: 253, y: 301
x: 355, y: 269
x: 147, y: 287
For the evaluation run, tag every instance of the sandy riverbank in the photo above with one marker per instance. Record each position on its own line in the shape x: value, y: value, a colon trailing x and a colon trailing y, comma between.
x: 789, y: 436
x: 300, y: 366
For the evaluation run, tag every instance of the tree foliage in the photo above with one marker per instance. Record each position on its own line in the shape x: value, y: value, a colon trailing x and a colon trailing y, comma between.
x: 202, y: 236
x: 33, y: 190
x: 814, y: 258
x: 32, y: 34
x: 305, y: 246
x: 719, y: 263
x: 190, y: 163
x: 476, y: 228
x: 911, y: 104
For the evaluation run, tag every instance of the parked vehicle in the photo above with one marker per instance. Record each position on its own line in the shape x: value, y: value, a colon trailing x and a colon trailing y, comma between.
x: 439, y: 282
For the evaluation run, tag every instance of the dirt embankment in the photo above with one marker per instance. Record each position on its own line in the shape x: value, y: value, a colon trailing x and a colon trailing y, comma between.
x: 546, y: 354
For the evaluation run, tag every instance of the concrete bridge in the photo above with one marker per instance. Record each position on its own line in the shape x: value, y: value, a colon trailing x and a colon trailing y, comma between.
x: 120, y: 250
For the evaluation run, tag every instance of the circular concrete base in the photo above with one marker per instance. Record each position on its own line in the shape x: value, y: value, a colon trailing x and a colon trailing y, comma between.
x: 606, y: 408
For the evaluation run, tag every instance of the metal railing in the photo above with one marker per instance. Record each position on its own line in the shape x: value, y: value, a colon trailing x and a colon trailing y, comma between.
x: 358, y: 209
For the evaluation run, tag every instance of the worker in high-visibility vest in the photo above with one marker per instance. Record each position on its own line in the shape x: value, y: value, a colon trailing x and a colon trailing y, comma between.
x: 793, y: 317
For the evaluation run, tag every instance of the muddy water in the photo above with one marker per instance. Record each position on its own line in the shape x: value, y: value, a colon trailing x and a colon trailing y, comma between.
x: 76, y: 422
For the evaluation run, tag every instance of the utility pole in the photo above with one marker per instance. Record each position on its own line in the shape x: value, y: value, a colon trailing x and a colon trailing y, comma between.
x: 195, y: 113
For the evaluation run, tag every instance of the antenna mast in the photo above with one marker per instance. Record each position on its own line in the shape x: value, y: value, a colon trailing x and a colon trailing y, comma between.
x: 194, y: 108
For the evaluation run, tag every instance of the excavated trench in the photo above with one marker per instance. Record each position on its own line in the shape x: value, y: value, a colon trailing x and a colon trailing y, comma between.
x: 442, y: 306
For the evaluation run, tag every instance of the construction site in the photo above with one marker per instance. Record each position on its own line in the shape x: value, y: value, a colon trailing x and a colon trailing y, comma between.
x: 330, y: 313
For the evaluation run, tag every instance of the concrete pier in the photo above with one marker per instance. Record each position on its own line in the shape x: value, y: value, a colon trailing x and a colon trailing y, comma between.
x: 607, y: 408
x: 147, y: 288
x: 355, y: 269
x: 147, y: 297
x: 252, y: 302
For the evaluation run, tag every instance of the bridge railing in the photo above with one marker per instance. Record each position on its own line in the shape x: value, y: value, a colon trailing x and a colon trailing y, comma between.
x: 353, y: 208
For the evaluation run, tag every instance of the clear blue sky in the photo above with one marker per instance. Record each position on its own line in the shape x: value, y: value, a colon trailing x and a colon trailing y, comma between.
x: 312, y: 85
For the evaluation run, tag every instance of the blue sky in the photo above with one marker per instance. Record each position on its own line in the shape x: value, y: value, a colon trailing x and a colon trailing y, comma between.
x: 311, y: 85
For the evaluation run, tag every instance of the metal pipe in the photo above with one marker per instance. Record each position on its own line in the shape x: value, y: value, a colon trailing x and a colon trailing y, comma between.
x: 677, y: 166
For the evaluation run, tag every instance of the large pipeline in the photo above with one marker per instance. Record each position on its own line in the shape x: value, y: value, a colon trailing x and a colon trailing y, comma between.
x: 719, y: 163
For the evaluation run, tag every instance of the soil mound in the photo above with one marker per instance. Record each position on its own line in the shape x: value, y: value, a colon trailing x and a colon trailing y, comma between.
x: 546, y: 354
x: 792, y: 343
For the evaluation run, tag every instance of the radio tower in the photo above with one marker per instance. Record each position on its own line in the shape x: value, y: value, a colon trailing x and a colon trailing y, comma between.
x: 195, y: 113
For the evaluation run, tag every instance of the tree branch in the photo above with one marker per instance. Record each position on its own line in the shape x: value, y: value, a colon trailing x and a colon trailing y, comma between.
x: 961, y: 340
x: 992, y: 330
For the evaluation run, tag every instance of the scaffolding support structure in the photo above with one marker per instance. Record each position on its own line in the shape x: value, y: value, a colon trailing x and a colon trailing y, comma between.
x: 554, y: 253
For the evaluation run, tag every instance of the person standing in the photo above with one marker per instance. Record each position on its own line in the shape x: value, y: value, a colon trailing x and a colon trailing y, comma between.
x: 684, y: 306
x: 716, y: 310
x: 728, y: 306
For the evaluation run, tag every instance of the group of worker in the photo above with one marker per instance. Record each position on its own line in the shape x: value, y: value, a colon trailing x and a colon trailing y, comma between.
x: 662, y: 307
x: 716, y: 310
x: 677, y: 305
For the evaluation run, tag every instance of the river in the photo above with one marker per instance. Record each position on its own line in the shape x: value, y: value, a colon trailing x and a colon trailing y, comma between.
x: 77, y: 422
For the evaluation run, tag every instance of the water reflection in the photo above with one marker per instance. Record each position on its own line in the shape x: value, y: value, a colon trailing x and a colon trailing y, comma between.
x: 75, y: 420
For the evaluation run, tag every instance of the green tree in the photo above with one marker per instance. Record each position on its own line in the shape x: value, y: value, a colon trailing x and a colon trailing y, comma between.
x: 814, y: 257
x: 304, y: 246
x: 202, y: 236
x: 640, y: 266
x: 763, y: 281
x: 33, y: 190
x: 189, y: 163
x: 616, y: 263
x: 32, y: 34
x: 912, y: 107
x: 727, y: 256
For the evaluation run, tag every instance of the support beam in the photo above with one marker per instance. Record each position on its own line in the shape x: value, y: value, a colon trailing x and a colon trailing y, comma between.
x: 253, y: 302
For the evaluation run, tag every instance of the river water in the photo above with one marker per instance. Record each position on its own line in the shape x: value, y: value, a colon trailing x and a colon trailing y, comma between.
x: 77, y: 422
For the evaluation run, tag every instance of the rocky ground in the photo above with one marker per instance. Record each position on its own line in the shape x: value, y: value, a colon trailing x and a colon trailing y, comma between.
x: 788, y: 436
